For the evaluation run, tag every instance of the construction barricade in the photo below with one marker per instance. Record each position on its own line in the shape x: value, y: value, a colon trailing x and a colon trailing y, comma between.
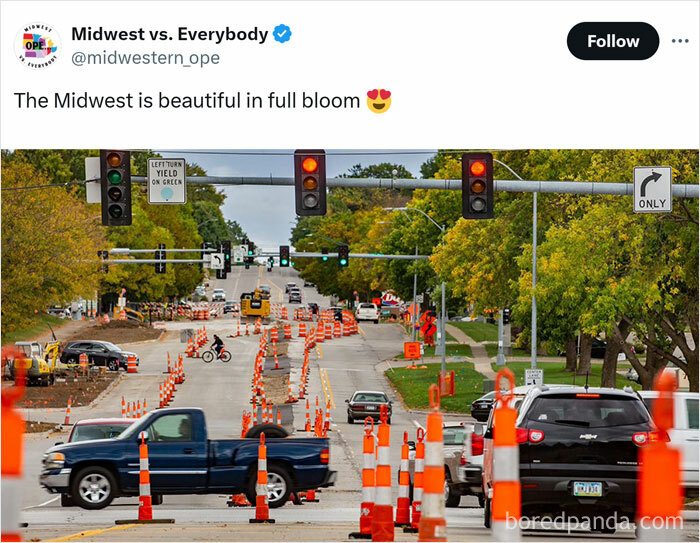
x: 368, y: 466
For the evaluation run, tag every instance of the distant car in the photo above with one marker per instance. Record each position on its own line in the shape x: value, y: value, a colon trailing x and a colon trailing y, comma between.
x: 684, y: 435
x: 367, y: 403
x: 294, y: 295
x: 100, y: 353
x: 367, y: 312
x: 58, y: 311
x: 481, y: 407
x: 228, y: 307
x: 219, y: 295
x: 289, y: 286
x: 308, y: 284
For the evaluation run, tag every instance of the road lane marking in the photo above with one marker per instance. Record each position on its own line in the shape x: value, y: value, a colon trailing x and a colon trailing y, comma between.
x: 418, y: 424
x: 89, y: 533
x: 323, y: 386
x: 359, y: 329
x: 330, y: 390
x: 41, y: 504
x: 319, y: 352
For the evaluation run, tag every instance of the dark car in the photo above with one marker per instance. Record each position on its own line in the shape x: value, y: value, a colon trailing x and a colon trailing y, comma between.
x: 228, y: 307
x: 294, y: 295
x: 578, y: 453
x: 100, y: 353
x: 367, y: 403
x: 481, y: 407
x: 308, y: 283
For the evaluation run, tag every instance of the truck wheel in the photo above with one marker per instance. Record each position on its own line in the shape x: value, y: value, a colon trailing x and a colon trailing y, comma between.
x: 351, y: 420
x: 487, y: 513
x: 157, y: 499
x: 67, y: 500
x: 452, y: 499
x: 271, y: 430
x: 93, y: 487
x: 279, y: 486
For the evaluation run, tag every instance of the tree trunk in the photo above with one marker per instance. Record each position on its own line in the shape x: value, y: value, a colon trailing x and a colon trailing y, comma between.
x: 570, y: 354
x: 654, y: 364
x: 613, y: 348
x: 584, y: 362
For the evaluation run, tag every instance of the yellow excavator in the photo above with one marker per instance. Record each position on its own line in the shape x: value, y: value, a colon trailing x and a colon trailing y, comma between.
x: 255, y: 304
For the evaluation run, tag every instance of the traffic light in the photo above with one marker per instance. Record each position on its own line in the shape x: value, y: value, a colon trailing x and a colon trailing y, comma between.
x: 104, y: 255
x: 310, y: 181
x: 221, y: 274
x: 160, y: 255
x: 115, y: 184
x: 284, y: 256
x: 477, y: 186
x: 506, y: 316
x: 251, y: 248
x: 343, y: 256
x: 226, y: 247
x: 324, y: 252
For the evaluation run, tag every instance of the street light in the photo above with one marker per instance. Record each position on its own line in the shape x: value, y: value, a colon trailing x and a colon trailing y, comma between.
x: 415, y: 280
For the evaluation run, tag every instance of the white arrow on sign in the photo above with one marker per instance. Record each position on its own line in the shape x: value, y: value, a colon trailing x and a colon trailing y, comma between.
x: 652, y: 189
x: 217, y: 261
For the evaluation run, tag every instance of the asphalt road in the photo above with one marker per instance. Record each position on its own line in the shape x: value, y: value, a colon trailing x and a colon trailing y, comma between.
x: 223, y: 391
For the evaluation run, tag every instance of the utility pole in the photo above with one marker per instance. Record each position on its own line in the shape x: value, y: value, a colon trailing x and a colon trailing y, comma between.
x: 533, y: 344
x: 500, y: 359
x: 415, y: 307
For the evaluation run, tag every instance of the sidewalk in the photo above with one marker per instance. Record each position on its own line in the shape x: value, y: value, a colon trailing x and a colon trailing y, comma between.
x: 482, y: 362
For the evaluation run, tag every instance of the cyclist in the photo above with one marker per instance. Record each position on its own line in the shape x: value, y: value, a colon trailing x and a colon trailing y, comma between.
x: 218, y: 345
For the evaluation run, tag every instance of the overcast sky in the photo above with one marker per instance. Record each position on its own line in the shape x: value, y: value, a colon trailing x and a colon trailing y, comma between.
x: 267, y: 213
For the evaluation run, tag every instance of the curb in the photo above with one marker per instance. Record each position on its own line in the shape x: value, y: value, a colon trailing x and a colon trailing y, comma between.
x: 107, y: 390
x: 147, y: 341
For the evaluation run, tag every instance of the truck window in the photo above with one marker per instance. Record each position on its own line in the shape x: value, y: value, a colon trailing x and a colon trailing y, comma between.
x: 168, y: 428
x: 691, y: 405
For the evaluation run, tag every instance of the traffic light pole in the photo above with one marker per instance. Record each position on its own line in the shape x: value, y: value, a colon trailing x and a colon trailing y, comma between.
x: 415, y: 307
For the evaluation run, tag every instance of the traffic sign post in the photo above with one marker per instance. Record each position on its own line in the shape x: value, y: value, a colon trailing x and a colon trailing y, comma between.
x: 652, y: 189
x: 166, y: 181
x: 534, y: 377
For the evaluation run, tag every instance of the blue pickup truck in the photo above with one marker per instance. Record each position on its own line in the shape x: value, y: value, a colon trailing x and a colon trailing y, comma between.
x: 182, y: 460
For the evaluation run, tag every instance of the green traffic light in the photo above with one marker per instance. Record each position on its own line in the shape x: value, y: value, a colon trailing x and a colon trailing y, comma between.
x: 284, y: 261
x: 325, y: 258
x: 343, y: 262
x: 114, y: 177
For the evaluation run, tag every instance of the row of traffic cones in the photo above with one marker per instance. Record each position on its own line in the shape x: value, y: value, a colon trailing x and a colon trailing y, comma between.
x: 133, y: 410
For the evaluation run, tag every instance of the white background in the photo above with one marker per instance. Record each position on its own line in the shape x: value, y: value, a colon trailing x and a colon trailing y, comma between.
x: 466, y: 75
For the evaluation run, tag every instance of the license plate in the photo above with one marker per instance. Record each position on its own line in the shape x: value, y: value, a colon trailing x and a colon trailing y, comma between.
x: 371, y: 408
x: 589, y: 490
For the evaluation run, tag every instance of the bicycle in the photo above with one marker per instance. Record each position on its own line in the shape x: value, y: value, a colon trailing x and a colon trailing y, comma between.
x: 208, y: 356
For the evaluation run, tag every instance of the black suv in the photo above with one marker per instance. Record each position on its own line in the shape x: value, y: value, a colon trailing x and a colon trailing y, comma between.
x: 100, y: 353
x: 578, y: 453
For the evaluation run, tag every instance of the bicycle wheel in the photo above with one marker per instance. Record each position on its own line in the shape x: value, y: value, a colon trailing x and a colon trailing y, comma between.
x: 225, y: 356
x: 208, y: 356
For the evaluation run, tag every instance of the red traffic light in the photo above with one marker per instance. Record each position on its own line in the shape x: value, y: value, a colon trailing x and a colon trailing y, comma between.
x: 477, y: 168
x: 309, y: 165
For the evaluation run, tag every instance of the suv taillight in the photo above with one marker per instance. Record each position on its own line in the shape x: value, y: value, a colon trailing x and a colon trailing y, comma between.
x: 640, y: 438
x: 523, y: 435
x: 477, y: 445
x: 644, y: 438
x: 325, y: 456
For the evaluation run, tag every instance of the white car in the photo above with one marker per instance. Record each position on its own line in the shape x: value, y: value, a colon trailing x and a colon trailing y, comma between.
x: 367, y: 312
x: 684, y: 435
x: 219, y: 295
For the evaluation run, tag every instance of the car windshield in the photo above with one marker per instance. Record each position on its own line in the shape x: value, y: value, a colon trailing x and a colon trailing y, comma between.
x: 87, y: 432
x: 111, y: 346
x: 592, y: 411
x: 454, y: 435
x: 369, y: 397
x: 490, y: 396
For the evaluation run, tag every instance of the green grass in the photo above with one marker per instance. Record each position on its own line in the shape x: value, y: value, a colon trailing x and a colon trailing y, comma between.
x: 492, y: 350
x: 478, y: 331
x: 36, y: 328
x: 413, y: 386
x: 455, y: 349
x: 554, y: 374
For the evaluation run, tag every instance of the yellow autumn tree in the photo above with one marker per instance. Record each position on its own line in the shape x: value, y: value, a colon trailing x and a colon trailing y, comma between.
x: 50, y: 240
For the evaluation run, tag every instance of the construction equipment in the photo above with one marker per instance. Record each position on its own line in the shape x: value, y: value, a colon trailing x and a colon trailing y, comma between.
x: 255, y: 304
x: 39, y: 371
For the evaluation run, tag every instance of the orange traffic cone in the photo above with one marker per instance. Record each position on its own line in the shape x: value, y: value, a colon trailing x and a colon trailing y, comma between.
x: 383, y: 511
x: 145, y: 505
x: 262, y: 509
x: 367, y: 504
x: 66, y: 422
x: 403, y: 504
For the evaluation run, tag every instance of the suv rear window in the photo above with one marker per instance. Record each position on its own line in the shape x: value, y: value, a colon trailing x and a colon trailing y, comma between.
x: 367, y: 306
x: 603, y: 411
x: 692, y: 406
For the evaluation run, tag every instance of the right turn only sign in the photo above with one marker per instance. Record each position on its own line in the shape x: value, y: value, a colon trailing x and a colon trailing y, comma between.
x: 652, y: 189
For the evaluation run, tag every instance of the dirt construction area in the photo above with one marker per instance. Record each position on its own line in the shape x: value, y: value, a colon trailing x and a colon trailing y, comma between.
x: 117, y: 332
x: 82, y: 390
